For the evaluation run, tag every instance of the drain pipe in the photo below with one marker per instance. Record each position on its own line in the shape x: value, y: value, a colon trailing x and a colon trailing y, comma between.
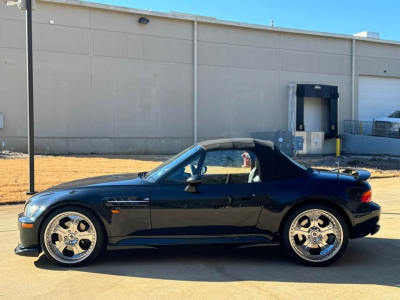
x: 353, y: 64
x: 195, y: 82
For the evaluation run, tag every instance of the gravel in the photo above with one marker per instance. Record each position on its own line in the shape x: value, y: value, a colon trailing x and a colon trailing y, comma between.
x: 6, y: 154
x: 380, y: 164
x: 12, y: 155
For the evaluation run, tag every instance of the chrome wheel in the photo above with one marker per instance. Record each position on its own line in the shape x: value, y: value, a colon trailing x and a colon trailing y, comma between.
x: 316, y: 235
x: 70, y: 237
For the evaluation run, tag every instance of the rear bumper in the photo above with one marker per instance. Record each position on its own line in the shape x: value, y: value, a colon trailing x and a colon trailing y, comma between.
x: 367, y: 221
x: 375, y: 229
x: 27, y: 251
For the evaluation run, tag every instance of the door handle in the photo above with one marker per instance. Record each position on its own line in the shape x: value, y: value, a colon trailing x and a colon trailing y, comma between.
x: 246, y: 197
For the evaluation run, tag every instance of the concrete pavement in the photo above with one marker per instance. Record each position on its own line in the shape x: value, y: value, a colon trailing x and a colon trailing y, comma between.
x: 370, y: 268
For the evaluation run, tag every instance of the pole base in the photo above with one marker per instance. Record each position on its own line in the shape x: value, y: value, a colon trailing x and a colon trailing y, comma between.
x: 30, y: 193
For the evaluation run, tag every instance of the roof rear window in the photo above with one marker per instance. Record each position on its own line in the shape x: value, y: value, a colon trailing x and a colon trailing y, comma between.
x: 396, y: 114
x: 295, y: 162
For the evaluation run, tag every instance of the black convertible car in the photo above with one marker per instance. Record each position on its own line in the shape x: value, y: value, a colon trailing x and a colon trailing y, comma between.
x: 240, y: 191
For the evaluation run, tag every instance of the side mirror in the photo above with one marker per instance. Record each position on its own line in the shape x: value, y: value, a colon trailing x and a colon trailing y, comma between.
x: 193, y: 182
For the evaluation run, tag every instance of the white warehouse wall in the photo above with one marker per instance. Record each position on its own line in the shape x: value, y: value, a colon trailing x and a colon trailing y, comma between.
x: 104, y: 83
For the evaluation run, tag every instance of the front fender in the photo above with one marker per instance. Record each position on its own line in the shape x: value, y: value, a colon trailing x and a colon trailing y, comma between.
x: 131, y: 220
x: 48, y: 201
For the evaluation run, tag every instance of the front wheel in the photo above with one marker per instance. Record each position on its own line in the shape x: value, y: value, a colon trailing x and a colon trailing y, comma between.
x: 316, y: 235
x: 72, y: 236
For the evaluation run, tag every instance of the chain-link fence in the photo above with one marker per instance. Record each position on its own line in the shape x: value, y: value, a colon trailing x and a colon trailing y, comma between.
x: 376, y: 128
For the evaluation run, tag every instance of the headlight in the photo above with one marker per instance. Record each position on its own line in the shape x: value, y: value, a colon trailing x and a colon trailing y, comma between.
x: 395, y: 127
x: 32, y: 211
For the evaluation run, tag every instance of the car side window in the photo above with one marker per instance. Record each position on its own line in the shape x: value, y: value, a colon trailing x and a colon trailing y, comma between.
x: 230, y: 167
x: 183, y: 173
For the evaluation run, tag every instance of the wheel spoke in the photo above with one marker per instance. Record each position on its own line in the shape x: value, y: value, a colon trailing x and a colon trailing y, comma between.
x: 77, y: 249
x: 314, y: 220
x: 60, y: 230
x: 326, y: 231
x: 301, y: 231
x: 84, y: 235
x: 306, y: 246
x: 325, y: 247
x: 74, y: 223
x: 60, y: 246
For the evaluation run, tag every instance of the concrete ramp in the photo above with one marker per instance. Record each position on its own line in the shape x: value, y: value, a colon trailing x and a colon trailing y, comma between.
x: 370, y: 145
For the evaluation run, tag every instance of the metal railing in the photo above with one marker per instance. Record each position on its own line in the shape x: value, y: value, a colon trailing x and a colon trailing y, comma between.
x: 375, y: 128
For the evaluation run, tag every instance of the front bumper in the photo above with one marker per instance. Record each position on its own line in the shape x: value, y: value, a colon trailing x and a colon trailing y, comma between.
x: 29, y: 238
x: 27, y: 251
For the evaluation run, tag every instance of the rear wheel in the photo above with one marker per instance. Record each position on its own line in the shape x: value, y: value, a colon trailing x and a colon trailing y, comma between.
x: 316, y: 235
x: 72, y: 236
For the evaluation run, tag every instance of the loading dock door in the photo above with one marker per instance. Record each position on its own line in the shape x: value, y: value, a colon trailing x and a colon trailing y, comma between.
x: 378, y: 97
x: 312, y: 114
x: 298, y: 110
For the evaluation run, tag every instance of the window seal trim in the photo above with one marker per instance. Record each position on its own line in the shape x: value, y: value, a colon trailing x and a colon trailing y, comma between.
x: 201, y: 162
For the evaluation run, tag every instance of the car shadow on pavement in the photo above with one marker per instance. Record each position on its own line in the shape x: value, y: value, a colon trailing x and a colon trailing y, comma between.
x: 366, y: 261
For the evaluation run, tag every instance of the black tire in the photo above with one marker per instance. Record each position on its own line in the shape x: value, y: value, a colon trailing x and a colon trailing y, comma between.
x: 286, y: 234
x: 100, y: 234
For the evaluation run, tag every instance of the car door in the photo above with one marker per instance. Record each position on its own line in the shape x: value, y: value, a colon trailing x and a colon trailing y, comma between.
x: 226, y: 203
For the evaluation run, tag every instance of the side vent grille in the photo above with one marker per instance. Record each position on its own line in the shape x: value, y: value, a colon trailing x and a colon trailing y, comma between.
x: 128, y: 201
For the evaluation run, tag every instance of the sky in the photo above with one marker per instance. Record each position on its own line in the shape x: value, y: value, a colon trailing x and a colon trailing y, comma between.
x: 334, y: 16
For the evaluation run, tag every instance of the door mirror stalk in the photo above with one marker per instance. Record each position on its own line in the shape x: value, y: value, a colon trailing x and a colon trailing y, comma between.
x: 193, y: 182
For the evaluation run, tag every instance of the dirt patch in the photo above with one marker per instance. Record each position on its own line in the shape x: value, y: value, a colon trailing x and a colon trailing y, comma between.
x: 53, y: 170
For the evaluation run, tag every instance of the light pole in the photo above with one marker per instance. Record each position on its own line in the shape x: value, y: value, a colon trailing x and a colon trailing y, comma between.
x: 29, y: 6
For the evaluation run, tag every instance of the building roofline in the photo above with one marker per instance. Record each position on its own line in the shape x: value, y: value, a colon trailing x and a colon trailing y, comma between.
x: 211, y: 20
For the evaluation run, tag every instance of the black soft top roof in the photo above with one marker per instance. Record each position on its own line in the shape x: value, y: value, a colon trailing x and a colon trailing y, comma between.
x: 274, y: 164
x: 235, y: 143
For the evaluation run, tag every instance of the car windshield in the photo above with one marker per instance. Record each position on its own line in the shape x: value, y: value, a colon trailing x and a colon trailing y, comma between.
x: 156, y: 173
x: 396, y: 114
